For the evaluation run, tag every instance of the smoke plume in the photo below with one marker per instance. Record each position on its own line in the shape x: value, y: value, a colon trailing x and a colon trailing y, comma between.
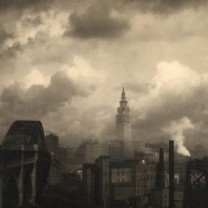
x: 176, y: 131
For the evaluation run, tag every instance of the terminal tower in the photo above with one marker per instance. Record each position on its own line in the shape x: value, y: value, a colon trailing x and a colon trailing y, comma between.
x: 123, y: 126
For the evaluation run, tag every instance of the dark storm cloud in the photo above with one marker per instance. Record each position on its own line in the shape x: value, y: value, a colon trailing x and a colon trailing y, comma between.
x: 11, y: 52
x: 23, y: 4
x: 160, y: 6
x: 96, y: 22
x: 4, y: 35
x: 143, y: 5
x: 37, y: 101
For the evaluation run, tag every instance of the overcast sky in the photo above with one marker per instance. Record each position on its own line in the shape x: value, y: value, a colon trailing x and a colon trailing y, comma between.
x: 64, y: 62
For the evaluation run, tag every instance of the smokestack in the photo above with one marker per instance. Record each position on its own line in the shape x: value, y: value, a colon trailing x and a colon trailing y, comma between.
x: 161, y: 170
x: 187, y: 190
x: 171, y: 174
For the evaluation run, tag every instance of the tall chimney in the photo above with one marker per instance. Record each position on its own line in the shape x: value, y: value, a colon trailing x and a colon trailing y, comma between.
x: 171, y: 174
x: 161, y: 170
x: 187, y: 190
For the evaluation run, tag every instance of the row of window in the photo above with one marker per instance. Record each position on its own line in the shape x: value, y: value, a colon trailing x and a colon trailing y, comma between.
x: 121, y: 180
x: 147, y: 177
x: 122, y: 173
x: 142, y: 192
x: 142, y: 185
x: 147, y: 168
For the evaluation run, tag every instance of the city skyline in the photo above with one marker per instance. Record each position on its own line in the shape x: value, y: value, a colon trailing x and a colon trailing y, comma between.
x: 64, y: 63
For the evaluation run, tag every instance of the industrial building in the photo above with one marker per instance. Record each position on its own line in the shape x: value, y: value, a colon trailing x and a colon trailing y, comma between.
x: 108, y: 183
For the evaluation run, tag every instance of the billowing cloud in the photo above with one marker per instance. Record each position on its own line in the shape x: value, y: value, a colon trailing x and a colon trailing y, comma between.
x: 65, y: 62
x: 37, y: 101
x: 176, y: 130
x: 174, y: 106
x: 35, y: 77
x: 96, y: 22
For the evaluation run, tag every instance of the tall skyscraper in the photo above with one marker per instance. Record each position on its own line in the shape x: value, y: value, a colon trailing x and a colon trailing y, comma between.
x: 123, y: 125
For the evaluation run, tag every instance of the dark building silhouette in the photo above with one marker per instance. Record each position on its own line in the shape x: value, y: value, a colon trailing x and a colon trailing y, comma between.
x: 165, y: 170
x: 171, y: 175
x: 60, y: 153
x: 25, y: 164
x: 52, y: 143
x: 160, y: 196
x: 196, y: 187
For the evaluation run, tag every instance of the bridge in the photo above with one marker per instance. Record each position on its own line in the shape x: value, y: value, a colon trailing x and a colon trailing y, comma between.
x: 24, y: 165
x: 196, y: 187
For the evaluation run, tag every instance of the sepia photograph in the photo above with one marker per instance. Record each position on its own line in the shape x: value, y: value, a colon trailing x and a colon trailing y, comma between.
x: 103, y: 103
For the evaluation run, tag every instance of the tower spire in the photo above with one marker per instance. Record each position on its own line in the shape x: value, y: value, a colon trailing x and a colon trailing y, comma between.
x: 123, y: 94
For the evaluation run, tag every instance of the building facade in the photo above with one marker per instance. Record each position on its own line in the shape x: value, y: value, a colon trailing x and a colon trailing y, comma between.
x: 109, y: 183
x: 94, y: 151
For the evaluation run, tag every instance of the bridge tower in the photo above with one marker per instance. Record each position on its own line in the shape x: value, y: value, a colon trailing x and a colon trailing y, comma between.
x: 24, y: 165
